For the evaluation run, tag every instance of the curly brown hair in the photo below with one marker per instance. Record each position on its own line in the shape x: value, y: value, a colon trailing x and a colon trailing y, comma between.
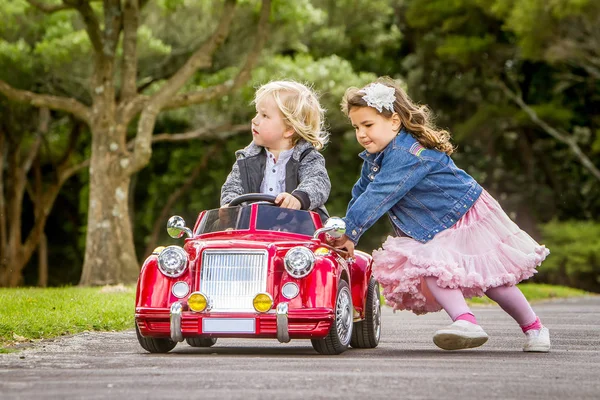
x: 416, y: 119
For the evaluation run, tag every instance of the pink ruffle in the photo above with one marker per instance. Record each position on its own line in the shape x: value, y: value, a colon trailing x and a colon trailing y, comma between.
x: 484, y: 249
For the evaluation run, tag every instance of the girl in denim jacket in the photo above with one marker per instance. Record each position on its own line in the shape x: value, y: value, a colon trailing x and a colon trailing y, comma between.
x: 283, y: 159
x: 453, y: 239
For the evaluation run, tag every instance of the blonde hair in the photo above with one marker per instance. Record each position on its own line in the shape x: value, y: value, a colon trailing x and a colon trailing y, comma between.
x: 300, y: 108
x: 415, y: 118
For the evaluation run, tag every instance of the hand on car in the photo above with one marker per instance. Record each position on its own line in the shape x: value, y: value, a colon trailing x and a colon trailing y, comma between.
x: 287, y: 200
x: 344, y: 243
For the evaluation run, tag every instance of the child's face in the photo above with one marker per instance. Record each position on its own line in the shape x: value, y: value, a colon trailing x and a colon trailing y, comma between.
x: 373, y: 131
x: 268, y: 126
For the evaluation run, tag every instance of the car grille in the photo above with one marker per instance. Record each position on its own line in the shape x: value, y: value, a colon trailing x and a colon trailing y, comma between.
x: 232, y: 278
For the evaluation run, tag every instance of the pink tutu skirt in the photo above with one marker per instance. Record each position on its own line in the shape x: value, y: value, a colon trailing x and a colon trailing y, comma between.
x: 484, y: 249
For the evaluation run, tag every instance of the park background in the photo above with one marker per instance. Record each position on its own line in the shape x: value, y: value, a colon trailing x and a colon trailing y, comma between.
x: 115, y: 115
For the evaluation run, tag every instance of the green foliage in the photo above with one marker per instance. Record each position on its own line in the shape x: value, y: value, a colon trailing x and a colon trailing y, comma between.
x: 31, y: 313
x: 539, y: 23
x: 575, y: 254
x: 461, y: 49
x: 363, y: 32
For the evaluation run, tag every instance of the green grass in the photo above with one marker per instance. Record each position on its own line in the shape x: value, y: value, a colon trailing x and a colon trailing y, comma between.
x: 32, y: 313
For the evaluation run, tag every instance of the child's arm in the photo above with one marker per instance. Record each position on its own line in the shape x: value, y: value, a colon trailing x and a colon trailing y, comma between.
x: 314, y: 184
x: 232, y: 187
x: 360, y: 186
x: 397, y: 176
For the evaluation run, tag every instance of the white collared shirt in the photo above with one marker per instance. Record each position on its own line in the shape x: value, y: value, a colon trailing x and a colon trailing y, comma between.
x: 274, y: 180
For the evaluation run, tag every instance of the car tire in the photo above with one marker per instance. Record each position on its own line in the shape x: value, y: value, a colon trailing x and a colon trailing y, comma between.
x: 366, y: 333
x: 338, y: 338
x: 201, y: 341
x: 154, y: 345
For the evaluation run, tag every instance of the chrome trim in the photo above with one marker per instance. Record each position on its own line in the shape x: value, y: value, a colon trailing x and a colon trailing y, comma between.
x: 377, y: 314
x: 343, y: 315
x: 176, y: 227
x: 289, y: 284
x: 304, y: 271
x: 161, y: 263
x: 283, y: 334
x: 334, y: 226
x: 232, y: 278
x: 176, y: 310
x: 179, y: 284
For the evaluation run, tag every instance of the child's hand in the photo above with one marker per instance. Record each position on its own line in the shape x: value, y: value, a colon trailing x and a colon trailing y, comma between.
x: 344, y: 243
x: 286, y: 200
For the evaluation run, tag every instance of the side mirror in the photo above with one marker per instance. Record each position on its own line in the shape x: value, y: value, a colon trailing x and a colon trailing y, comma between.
x: 335, y: 227
x: 176, y: 227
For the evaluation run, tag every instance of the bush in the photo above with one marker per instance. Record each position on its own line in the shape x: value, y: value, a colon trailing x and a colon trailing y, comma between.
x: 574, y: 255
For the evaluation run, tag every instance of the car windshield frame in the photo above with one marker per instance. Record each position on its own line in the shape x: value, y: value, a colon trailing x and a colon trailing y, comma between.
x: 256, y: 217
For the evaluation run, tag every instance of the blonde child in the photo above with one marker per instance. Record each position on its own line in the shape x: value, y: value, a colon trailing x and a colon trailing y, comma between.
x: 453, y: 239
x: 283, y: 159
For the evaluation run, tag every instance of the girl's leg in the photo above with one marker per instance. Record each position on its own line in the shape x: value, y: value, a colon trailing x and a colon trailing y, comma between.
x: 512, y: 300
x: 464, y: 333
x: 451, y: 300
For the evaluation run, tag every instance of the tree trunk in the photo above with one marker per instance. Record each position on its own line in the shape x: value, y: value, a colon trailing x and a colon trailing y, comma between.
x: 43, y: 261
x: 109, y: 231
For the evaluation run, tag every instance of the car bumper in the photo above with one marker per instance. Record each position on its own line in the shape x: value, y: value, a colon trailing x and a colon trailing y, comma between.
x: 281, y: 323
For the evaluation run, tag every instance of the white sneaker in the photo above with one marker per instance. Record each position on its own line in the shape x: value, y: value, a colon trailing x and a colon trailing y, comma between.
x: 538, y: 340
x: 460, y: 335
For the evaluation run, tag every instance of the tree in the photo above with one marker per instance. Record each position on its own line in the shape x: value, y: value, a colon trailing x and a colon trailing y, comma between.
x: 113, y: 101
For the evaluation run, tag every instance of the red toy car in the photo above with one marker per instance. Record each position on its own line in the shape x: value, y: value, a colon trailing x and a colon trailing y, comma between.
x: 254, y: 270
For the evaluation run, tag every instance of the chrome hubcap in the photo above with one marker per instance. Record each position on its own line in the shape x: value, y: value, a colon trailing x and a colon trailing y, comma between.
x: 343, y: 316
x: 377, y: 314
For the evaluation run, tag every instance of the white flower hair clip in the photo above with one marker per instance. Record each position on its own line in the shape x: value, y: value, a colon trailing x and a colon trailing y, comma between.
x: 379, y: 96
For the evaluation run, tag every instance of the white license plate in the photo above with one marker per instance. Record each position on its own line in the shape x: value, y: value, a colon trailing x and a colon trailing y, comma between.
x: 228, y: 325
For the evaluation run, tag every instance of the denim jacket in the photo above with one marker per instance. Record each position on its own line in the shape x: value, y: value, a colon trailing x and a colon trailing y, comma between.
x: 421, y: 189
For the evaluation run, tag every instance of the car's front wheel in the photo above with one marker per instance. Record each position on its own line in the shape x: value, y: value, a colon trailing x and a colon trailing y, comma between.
x: 201, y: 342
x: 338, y: 338
x: 366, y: 333
x: 154, y: 345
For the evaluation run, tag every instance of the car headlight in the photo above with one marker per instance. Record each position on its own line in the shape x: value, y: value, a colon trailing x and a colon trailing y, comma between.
x: 172, y: 261
x: 299, y: 261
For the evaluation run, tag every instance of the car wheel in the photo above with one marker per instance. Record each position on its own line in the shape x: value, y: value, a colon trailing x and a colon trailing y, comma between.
x: 338, y: 338
x: 201, y: 342
x: 154, y: 345
x: 366, y: 333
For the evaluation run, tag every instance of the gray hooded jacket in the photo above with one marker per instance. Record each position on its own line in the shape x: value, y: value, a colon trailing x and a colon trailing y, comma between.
x: 305, y: 177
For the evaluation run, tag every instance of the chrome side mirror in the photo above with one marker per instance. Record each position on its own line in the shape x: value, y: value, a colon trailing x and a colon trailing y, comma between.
x: 176, y: 227
x: 335, y: 227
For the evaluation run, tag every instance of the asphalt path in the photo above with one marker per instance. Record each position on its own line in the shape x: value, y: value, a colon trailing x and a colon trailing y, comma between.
x: 406, y: 365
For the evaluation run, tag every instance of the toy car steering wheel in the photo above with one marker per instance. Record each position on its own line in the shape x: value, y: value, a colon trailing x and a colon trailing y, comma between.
x: 253, y: 198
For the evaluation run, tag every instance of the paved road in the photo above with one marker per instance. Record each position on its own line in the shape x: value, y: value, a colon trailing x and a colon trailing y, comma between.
x: 406, y: 365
